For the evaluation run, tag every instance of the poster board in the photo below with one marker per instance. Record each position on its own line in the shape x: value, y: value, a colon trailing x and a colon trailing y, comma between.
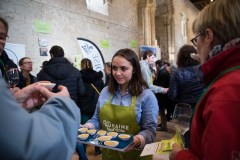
x: 155, y: 50
x: 92, y: 52
x: 15, y: 52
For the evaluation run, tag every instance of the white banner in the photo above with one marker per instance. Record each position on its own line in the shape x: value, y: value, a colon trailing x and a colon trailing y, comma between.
x: 92, y: 52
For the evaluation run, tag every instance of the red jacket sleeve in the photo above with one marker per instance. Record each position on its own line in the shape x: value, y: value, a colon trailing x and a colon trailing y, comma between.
x: 220, y: 139
x: 186, y: 155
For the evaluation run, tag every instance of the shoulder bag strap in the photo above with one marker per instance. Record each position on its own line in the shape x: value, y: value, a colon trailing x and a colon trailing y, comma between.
x: 95, y: 88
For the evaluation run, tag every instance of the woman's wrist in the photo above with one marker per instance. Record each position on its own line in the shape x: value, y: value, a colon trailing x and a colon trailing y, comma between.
x: 137, y: 143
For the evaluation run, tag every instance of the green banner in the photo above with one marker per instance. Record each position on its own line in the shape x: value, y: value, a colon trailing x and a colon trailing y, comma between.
x: 42, y: 27
x: 104, y: 43
x: 77, y: 61
x: 133, y: 43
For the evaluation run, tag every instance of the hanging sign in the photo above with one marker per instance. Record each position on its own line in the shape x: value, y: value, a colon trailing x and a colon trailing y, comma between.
x: 42, y: 27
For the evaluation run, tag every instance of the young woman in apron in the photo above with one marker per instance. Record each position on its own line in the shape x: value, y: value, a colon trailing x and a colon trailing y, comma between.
x: 126, y: 106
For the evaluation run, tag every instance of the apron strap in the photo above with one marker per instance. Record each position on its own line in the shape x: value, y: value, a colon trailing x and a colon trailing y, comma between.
x: 110, y: 98
x: 133, y: 103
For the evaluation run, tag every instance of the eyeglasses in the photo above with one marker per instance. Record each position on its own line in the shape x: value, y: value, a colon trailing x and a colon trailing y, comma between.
x: 3, y: 37
x: 28, y: 63
x: 194, y: 40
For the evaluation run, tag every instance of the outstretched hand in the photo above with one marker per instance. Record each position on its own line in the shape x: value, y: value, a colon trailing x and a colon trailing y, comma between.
x: 46, y: 93
x: 29, y: 96
x: 14, y: 90
x: 36, y: 94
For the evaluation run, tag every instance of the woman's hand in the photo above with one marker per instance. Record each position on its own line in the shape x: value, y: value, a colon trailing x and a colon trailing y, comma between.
x: 176, y: 149
x: 135, y: 142
x: 83, y: 125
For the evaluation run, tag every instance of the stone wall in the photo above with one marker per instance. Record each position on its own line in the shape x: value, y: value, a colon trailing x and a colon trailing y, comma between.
x: 70, y: 19
x: 191, y: 14
x: 169, y: 27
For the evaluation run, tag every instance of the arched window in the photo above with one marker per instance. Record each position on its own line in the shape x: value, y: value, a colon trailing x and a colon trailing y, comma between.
x: 100, y: 6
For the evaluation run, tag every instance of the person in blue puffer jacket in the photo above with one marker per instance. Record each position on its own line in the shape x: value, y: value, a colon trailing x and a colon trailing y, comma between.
x: 184, y: 86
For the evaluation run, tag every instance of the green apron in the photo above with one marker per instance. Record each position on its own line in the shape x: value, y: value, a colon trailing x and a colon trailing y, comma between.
x: 120, y: 119
x: 220, y: 75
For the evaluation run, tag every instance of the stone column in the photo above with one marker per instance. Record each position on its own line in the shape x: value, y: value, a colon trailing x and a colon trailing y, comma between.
x: 147, y: 34
x: 153, y: 33
x: 147, y: 20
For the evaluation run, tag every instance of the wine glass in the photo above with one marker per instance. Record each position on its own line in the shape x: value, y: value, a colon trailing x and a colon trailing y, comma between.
x: 12, y: 77
x: 181, y: 118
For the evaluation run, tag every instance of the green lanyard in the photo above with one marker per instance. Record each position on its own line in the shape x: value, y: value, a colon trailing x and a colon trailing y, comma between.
x: 2, y: 64
x: 222, y: 73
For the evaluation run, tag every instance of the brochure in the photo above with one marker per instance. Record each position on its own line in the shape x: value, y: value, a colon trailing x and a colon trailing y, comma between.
x: 162, y: 147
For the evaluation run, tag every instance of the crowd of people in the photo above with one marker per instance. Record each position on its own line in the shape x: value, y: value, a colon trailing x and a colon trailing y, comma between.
x: 131, y: 95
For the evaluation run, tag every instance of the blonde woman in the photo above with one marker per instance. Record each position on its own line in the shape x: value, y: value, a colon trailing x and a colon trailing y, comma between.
x: 215, y: 130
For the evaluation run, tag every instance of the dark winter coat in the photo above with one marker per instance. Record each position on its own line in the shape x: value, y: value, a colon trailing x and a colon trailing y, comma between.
x: 184, y: 86
x: 33, y: 79
x: 7, y: 62
x: 163, y: 80
x: 88, y: 101
x: 60, y: 71
x: 107, y: 78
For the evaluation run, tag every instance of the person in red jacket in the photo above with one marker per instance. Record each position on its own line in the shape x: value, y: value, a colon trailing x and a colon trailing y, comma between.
x: 215, y: 131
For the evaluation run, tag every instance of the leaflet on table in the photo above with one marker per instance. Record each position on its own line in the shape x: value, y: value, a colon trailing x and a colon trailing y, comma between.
x: 162, y: 147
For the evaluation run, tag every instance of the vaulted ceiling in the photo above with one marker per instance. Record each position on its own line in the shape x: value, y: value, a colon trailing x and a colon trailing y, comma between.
x: 200, y: 4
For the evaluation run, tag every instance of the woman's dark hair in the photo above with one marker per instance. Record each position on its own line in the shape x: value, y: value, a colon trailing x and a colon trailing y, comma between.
x: 57, y: 51
x: 5, y: 23
x: 137, y: 82
x: 86, y: 64
x: 184, y: 57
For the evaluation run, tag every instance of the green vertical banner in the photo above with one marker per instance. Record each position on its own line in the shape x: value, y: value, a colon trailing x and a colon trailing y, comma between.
x: 133, y: 43
x: 77, y: 61
x: 104, y: 43
x: 42, y: 27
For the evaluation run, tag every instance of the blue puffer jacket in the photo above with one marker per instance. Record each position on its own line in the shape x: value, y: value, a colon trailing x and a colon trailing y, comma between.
x: 184, y: 86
